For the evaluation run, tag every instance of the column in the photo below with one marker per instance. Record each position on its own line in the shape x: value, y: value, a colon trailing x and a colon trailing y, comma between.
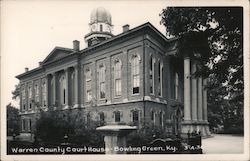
x: 67, y: 87
x: 55, y: 101
x: 204, y: 100
x: 76, y: 86
x: 200, y: 108
x: 187, y: 98
x: 47, y: 93
x: 194, y: 93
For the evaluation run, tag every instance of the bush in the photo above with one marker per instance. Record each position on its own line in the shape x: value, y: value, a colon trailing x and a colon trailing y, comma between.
x: 52, y: 127
x: 145, y: 135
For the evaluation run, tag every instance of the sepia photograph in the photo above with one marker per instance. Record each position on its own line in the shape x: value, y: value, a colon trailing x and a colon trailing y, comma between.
x: 109, y: 80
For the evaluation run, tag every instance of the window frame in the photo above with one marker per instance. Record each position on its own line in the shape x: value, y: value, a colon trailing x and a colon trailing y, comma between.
x: 88, y: 85
x: 135, y: 74
x: 102, y: 81
x: 117, y: 78
x: 152, y: 75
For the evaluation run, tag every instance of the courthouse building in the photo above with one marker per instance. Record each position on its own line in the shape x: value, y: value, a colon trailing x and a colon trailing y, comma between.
x: 136, y: 77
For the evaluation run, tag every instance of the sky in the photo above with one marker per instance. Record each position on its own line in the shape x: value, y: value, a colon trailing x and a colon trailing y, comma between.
x: 31, y: 29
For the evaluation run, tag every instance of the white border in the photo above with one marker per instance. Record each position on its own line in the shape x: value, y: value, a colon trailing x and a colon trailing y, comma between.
x: 244, y: 156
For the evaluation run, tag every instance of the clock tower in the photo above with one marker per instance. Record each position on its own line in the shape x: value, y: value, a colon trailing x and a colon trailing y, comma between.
x: 100, y: 26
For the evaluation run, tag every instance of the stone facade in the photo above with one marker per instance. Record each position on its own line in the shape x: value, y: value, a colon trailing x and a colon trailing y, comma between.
x: 135, y: 77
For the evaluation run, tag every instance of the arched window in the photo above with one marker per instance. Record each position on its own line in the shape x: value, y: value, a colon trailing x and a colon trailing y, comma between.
x: 88, y: 85
x: 176, y: 86
x: 63, y: 89
x: 117, y: 116
x: 135, y: 74
x: 151, y: 74
x: 160, y: 72
x: 117, y: 77
x: 102, y: 81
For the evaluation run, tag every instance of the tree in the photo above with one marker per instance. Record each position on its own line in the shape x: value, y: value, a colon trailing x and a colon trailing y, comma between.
x: 13, y: 120
x: 223, y: 65
x: 16, y: 92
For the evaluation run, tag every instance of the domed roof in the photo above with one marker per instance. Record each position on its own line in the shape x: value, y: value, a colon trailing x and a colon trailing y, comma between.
x: 100, y: 14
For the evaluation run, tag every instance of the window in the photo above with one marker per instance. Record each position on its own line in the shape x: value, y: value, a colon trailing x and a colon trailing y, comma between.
x: 151, y: 75
x: 89, y: 95
x: 135, y: 117
x: 176, y: 86
x: 44, y: 94
x: 135, y: 74
x: 88, y: 85
x: 23, y: 98
x: 30, y: 97
x: 161, y: 118
x: 102, y: 119
x: 63, y: 89
x: 37, y: 93
x: 117, y: 77
x: 153, y: 116
x: 29, y: 125
x: 30, y: 92
x: 101, y: 28
x: 102, y: 81
x: 23, y: 125
x: 117, y: 116
x: 160, y: 72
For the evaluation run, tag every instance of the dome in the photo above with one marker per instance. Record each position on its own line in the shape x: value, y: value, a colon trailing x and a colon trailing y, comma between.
x: 100, y: 14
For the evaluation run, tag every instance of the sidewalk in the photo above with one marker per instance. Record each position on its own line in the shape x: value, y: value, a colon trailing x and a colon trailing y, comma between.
x: 223, y: 144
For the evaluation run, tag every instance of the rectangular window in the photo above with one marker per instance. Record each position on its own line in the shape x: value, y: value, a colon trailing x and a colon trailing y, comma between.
x: 102, y: 84
x: 29, y: 125
x: 151, y: 75
x: 36, y: 90
x: 118, y: 91
x: 30, y: 92
x: 23, y: 125
x: 136, y: 84
x: 135, y: 74
x: 176, y: 86
x: 89, y: 97
x: 102, y: 90
x: 88, y: 85
x: 160, y: 71
x: 117, y: 117
x: 117, y: 77
x: 23, y: 99
x: 135, y: 116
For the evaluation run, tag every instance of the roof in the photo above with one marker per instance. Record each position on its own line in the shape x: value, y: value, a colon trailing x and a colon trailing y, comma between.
x: 144, y: 26
x: 67, y: 51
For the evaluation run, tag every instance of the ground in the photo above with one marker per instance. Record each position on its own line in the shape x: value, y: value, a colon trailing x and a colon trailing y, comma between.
x: 223, y: 144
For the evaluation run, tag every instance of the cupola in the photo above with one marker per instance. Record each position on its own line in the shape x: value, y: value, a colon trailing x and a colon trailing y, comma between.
x: 100, y: 26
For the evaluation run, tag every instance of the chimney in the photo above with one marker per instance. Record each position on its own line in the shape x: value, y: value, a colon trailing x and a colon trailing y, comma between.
x: 76, y: 45
x: 125, y: 28
x: 26, y: 69
x: 40, y: 63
